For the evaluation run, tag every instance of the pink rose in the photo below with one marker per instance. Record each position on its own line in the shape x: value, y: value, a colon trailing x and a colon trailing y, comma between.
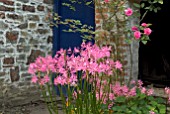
x: 144, y: 24
x: 134, y: 28
x: 128, y: 12
x: 106, y: 1
x: 151, y: 112
x: 147, y: 31
x: 137, y: 34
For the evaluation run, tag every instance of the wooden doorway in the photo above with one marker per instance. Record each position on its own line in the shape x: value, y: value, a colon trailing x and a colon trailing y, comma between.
x: 154, y: 57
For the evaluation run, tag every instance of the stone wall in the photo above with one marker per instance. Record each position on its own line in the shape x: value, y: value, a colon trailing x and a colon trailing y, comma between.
x: 24, y: 35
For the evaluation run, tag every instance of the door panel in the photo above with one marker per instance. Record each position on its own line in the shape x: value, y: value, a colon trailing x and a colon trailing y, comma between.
x: 83, y: 13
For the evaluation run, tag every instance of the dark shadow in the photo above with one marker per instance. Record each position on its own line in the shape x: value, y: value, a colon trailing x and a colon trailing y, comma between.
x: 154, y: 57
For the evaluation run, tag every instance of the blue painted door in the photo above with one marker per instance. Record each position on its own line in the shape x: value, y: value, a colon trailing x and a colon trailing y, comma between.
x: 65, y: 40
x: 83, y: 13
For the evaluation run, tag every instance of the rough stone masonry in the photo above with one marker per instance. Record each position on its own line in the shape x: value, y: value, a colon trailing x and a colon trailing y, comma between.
x: 24, y: 35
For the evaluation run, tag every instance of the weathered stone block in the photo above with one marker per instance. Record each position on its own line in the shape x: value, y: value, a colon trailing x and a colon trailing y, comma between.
x: 14, y: 74
x: 9, y: 60
x: 48, y: 1
x: 33, y: 41
x: 28, y: 8
x: 2, y: 51
x: 42, y: 31
x: 32, y: 25
x: 7, y: 2
x: 24, y: 33
x: 12, y: 35
x: 15, y: 17
x: 23, y: 75
x: 24, y: 67
x: 2, y: 74
x: 23, y: 48
x: 49, y: 39
x: 4, y: 8
x: 40, y: 8
x: 1, y: 42
x: 24, y: 1
x: 2, y: 15
x: 34, y: 54
x: 21, y: 57
x: 33, y: 17
x: 9, y: 50
x: 22, y: 41
x: 3, y: 25
x: 23, y: 26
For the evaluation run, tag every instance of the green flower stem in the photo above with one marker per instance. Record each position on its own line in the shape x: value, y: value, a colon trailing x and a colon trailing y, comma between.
x: 86, y: 97
x: 144, y: 15
x: 46, y: 100
x: 54, y: 106
x: 81, y: 95
x: 94, y: 95
x: 69, y: 98
x: 63, y: 99
x: 78, y: 103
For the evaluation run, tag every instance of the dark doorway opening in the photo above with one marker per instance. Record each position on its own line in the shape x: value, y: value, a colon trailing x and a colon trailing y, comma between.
x: 154, y: 57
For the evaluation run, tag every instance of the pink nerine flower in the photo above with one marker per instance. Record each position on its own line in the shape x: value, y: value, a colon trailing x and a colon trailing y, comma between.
x: 118, y: 65
x: 34, y: 79
x: 137, y: 34
x: 59, y: 80
x: 143, y: 90
x: 140, y: 83
x: 150, y: 92
x: 128, y: 12
x: 167, y: 90
x: 147, y: 31
x: 111, y: 96
x: 46, y: 79
x: 134, y: 28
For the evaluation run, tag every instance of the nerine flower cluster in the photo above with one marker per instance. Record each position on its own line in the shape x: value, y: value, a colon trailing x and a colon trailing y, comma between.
x: 89, y: 58
x: 67, y: 63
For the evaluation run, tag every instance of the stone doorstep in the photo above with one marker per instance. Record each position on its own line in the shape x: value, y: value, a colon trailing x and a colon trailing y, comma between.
x: 28, y: 97
x: 24, y: 99
x: 159, y: 92
x: 18, y: 100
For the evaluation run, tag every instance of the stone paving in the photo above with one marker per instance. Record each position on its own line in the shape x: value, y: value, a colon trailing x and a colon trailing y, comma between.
x: 32, y: 103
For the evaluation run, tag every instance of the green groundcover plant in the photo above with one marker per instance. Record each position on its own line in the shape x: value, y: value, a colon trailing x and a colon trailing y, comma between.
x: 87, y: 78
x: 89, y: 74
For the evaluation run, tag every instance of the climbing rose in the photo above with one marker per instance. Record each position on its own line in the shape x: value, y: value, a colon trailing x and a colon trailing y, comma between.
x: 151, y: 112
x: 106, y: 1
x: 147, y: 31
x: 137, y: 34
x: 128, y: 12
x: 144, y: 24
x: 134, y: 28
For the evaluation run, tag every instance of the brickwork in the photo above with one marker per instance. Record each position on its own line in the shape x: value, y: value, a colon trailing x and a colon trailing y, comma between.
x: 128, y: 54
x: 24, y: 35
